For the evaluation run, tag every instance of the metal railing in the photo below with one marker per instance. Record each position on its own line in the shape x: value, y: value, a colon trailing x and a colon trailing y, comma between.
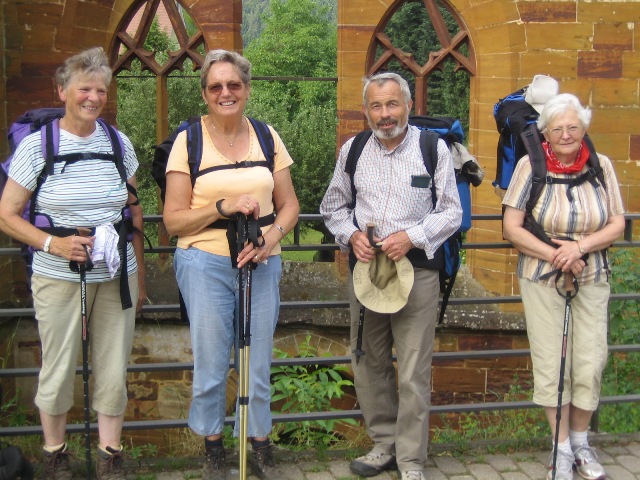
x: 627, y: 241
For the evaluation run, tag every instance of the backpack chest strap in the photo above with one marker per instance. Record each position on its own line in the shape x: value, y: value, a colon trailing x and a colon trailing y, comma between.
x: 591, y: 176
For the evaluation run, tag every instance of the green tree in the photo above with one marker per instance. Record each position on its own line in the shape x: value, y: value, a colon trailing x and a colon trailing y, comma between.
x: 299, y: 39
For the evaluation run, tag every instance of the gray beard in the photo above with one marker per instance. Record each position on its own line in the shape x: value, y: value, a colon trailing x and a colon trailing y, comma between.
x: 389, y: 134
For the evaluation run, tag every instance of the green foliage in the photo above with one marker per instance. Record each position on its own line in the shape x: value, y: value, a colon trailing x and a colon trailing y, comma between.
x: 148, y: 450
x: 621, y: 375
x: 255, y: 11
x: 299, y: 39
x: 307, y: 388
x: 137, y: 114
x: 521, y: 426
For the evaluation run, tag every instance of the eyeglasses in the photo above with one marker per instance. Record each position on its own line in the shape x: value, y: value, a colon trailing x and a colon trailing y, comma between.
x: 571, y: 130
x: 216, y: 88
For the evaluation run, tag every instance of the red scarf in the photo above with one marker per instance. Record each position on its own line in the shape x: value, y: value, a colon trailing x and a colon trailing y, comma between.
x: 556, y: 166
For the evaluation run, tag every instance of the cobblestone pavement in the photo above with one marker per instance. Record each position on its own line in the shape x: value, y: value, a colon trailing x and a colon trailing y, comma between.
x: 620, y: 457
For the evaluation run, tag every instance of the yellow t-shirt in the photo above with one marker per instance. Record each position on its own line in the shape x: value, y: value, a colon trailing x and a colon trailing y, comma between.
x: 212, y: 186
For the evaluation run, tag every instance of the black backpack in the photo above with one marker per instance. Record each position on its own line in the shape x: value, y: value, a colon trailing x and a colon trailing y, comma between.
x: 512, y: 115
x: 447, y: 258
x: 193, y: 127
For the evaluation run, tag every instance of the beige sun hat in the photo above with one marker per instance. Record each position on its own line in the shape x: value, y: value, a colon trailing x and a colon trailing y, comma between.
x: 383, y: 285
x: 540, y: 91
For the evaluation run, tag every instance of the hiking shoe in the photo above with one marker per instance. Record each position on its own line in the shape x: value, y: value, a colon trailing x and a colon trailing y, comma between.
x: 564, y: 466
x: 412, y: 475
x: 56, y: 464
x: 214, y: 464
x: 373, y: 463
x: 263, y: 466
x: 109, y: 464
x: 587, y: 464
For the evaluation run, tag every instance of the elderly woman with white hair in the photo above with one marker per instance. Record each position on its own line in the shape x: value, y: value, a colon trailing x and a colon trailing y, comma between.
x: 580, y: 220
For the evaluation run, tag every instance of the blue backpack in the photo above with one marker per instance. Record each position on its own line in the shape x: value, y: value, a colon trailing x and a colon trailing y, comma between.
x: 447, y: 257
x: 47, y: 121
x: 512, y: 115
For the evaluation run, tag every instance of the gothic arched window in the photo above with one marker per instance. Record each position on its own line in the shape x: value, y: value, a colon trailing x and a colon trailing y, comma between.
x: 425, y: 42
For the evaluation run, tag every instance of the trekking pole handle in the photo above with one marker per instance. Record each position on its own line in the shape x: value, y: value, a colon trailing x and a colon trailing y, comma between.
x: 370, y: 228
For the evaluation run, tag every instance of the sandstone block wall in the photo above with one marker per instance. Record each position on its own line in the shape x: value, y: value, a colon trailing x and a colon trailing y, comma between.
x: 590, y: 47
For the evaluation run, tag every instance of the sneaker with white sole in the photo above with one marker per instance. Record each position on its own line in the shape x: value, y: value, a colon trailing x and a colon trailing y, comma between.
x: 564, y: 466
x: 412, y: 475
x: 373, y: 463
x: 587, y: 464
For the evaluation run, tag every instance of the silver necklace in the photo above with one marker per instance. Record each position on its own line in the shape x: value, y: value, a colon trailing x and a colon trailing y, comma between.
x: 230, y: 142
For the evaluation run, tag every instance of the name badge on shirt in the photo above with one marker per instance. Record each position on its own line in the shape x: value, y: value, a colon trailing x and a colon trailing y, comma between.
x: 421, y: 181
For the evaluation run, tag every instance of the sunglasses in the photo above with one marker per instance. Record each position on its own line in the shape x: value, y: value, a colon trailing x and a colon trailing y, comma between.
x: 216, y: 88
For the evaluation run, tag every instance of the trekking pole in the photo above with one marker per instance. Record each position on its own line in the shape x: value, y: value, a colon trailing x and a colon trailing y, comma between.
x: 244, y: 333
x: 82, y: 269
x: 570, y: 293
x: 358, y: 350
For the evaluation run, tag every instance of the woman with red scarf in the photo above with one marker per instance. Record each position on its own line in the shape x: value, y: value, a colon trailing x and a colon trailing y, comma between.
x: 581, y: 226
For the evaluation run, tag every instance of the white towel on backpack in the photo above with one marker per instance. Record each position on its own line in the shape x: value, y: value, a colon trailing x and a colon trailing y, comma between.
x: 105, y: 248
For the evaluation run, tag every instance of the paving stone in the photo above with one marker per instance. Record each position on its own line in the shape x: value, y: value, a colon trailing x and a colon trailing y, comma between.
x: 450, y: 465
x: 533, y: 468
x: 501, y: 463
x: 630, y: 462
x: 616, y: 472
x: 340, y: 469
x: 461, y: 477
x: 515, y: 476
x: 433, y: 473
x: 482, y: 471
x: 634, y: 449
x: 603, y: 456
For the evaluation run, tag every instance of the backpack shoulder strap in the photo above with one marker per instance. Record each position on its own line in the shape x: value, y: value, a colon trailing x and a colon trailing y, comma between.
x: 194, y: 149
x: 49, y: 142
x: 359, y: 141
x: 429, y: 149
x: 532, y: 140
x: 594, y: 161
x: 118, y: 147
x: 265, y: 138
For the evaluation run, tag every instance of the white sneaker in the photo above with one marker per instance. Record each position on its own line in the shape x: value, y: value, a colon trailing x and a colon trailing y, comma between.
x: 412, y: 475
x: 564, y: 466
x: 587, y: 464
x: 373, y: 463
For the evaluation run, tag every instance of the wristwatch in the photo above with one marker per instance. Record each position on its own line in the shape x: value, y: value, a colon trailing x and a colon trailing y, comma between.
x: 581, y: 248
x: 47, y: 243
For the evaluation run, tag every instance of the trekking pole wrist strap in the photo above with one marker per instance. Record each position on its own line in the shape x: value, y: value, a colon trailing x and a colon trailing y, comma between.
x: 219, y: 208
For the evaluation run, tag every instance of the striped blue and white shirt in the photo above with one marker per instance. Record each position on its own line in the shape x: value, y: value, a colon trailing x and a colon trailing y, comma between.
x: 386, y: 197
x: 86, y: 193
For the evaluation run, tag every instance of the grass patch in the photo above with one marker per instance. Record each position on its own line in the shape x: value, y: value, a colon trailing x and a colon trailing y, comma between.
x: 307, y: 237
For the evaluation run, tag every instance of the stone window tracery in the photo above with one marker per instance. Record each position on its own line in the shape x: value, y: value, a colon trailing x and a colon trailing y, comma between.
x: 423, y: 40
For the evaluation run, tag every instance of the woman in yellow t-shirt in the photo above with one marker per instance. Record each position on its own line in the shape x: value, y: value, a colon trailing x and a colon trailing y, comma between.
x: 204, y: 271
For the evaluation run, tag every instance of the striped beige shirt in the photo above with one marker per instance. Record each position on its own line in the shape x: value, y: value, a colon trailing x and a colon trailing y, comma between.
x: 587, y: 213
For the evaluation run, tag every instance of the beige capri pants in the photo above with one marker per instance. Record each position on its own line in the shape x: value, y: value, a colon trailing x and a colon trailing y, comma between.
x: 587, y: 347
x: 111, y: 329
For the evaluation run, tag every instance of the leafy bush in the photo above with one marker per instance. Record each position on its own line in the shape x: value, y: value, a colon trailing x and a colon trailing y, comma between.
x: 303, y: 389
x: 621, y: 375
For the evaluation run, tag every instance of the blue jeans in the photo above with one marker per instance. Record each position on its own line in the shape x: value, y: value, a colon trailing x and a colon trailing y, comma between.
x: 209, y: 286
